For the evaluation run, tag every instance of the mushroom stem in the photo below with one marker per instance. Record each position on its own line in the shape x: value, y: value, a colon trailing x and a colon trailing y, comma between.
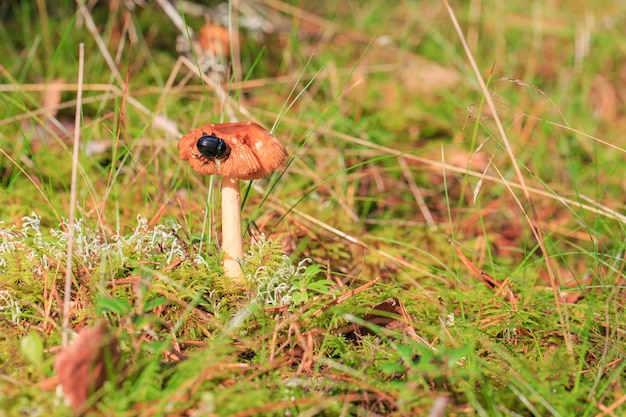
x: 231, y: 229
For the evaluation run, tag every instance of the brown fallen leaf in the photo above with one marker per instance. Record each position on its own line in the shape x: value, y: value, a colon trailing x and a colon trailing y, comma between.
x: 52, y: 96
x: 84, y: 365
x: 382, y: 315
x: 421, y: 76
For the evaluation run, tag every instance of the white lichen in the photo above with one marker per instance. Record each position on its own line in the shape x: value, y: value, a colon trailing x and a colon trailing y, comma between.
x: 275, y: 283
x: 9, y: 306
x: 92, y: 248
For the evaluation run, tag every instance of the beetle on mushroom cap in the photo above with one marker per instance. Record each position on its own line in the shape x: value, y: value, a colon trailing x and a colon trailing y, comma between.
x: 212, y: 147
x: 245, y: 151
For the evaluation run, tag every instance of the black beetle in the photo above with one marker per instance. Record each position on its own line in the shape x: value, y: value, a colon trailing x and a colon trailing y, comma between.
x: 212, y: 147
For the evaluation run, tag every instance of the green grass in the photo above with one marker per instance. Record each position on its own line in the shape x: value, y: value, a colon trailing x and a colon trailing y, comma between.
x: 402, y: 270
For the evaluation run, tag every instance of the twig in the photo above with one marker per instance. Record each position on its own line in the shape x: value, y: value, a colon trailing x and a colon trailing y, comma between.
x: 72, y: 214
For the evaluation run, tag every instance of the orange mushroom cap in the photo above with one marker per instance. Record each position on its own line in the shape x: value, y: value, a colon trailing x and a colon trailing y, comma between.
x: 254, y: 152
x: 215, y: 39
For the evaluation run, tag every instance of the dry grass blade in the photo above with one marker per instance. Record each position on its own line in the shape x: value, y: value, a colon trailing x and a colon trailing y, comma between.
x: 487, y: 96
x: 72, y: 209
x: 32, y: 181
x: 592, y: 207
x: 531, y: 222
x: 344, y: 297
x: 419, y: 199
x: 175, y: 17
x: 104, y: 51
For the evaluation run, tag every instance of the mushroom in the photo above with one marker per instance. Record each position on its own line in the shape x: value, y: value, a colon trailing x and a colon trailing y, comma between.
x: 236, y: 151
